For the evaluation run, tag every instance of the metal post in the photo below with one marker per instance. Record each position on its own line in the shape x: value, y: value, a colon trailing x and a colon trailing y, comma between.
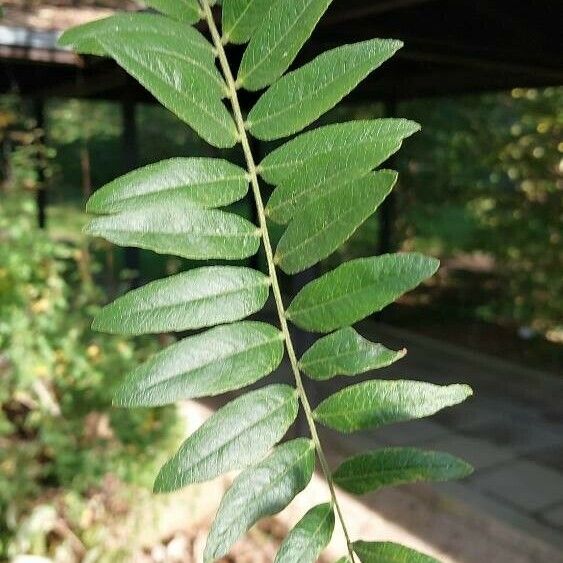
x: 41, y: 192
x: 130, y: 161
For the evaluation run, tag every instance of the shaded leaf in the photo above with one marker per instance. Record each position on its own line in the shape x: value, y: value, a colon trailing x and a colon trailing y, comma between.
x: 175, y: 66
x: 277, y: 41
x: 209, y: 182
x: 222, y: 359
x: 325, y: 224
x: 180, y: 228
x: 396, y: 466
x: 262, y: 490
x: 309, y: 537
x: 387, y: 552
x: 357, y: 289
x: 241, y: 18
x: 345, y: 352
x: 191, y: 300
x: 184, y: 10
x: 236, y: 436
x: 375, y: 403
x: 302, y: 96
x: 309, y: 166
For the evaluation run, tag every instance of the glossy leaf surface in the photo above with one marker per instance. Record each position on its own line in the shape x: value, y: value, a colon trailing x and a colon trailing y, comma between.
x: 316, y: 162
x: 236, y: 436
x: 188, y: 301
x: 260, y: 491
x: 387, y: 552
x: 325, y: 224
x: 397, y: 466
x: 222, y: 359
x: 184, y: 10
x: 357, y: 289
x: 302, y: 96
x: 375, y: 403
x: 209, y: 182
x: 277, y: 41
x: 242, y: 17
x: 309, y: 537
x: 180, y: 228
x: 345, y: 352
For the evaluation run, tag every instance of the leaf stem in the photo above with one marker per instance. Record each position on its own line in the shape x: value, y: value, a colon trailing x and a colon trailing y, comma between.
x: 253, y: 172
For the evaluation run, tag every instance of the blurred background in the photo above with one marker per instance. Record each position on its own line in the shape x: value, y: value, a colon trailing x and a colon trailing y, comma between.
x: 480, y: 187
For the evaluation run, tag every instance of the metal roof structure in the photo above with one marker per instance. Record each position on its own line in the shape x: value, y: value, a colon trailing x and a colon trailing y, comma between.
x: 451, y: 47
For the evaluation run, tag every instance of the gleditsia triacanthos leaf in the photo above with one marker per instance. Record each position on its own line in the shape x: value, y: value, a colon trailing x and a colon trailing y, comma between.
x: 187, y: 11
x: 177, y: 71
x: 236, y: 436
x: 180, y: 228
x: 309, y: 537
x: 345, y: 352
x: 241, y: 18
x: 376, y: 403
x: 325, y: 224
x: 371, y: 471
x: 262, y: 490
x: 357, y: 289
x: 222, y: 359
x: 278, y: 40
x: 387, y: 552
x: 302, y: 96
x: 191, y: 300
x: 316, y: 162
x: 209, y: 182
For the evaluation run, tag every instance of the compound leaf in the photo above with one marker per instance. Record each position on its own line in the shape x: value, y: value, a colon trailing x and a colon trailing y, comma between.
x: 357, y: 289
x: 387, y: 552
x: 180, y: 228
x: 345, y: 352
x: 209, y: 182
x: 375, y: 403
x: 302, y: 96
x: 325, y: 224
x: 241, y: 18
x: 371, y: 471
x: 187, y: 11
x: 310, y: 165
x: 309, y: 537
x: 222, y: 359
x: 262, y: 490
x: 188, y: 301
x: 278, y: 40
x: 236, y: 436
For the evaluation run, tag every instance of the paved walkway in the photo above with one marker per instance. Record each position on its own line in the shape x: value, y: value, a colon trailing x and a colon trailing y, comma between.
x: 511, y: 431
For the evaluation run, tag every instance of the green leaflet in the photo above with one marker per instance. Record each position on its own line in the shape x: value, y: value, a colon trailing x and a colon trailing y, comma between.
x: 209, y: 182
x: 375, y: 403
x: 171, y: 60
x: 309, y: 166
x: 184, y: 10
x: 309, y: 537
x: 325, y: 224
x: 278, y: 40
x: 84, y: 38
x: 222, y: 359
x: 191, y: 300
x: 262, y: 490
x: 180, y: 228
x: 302, y: 96
x: 241, y: 18
x: 396, y: 466
x: 343, y: 560
x: 236, y: 436
x: 345, y: 352
x: 387, y: 552
x: 357, y: 289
